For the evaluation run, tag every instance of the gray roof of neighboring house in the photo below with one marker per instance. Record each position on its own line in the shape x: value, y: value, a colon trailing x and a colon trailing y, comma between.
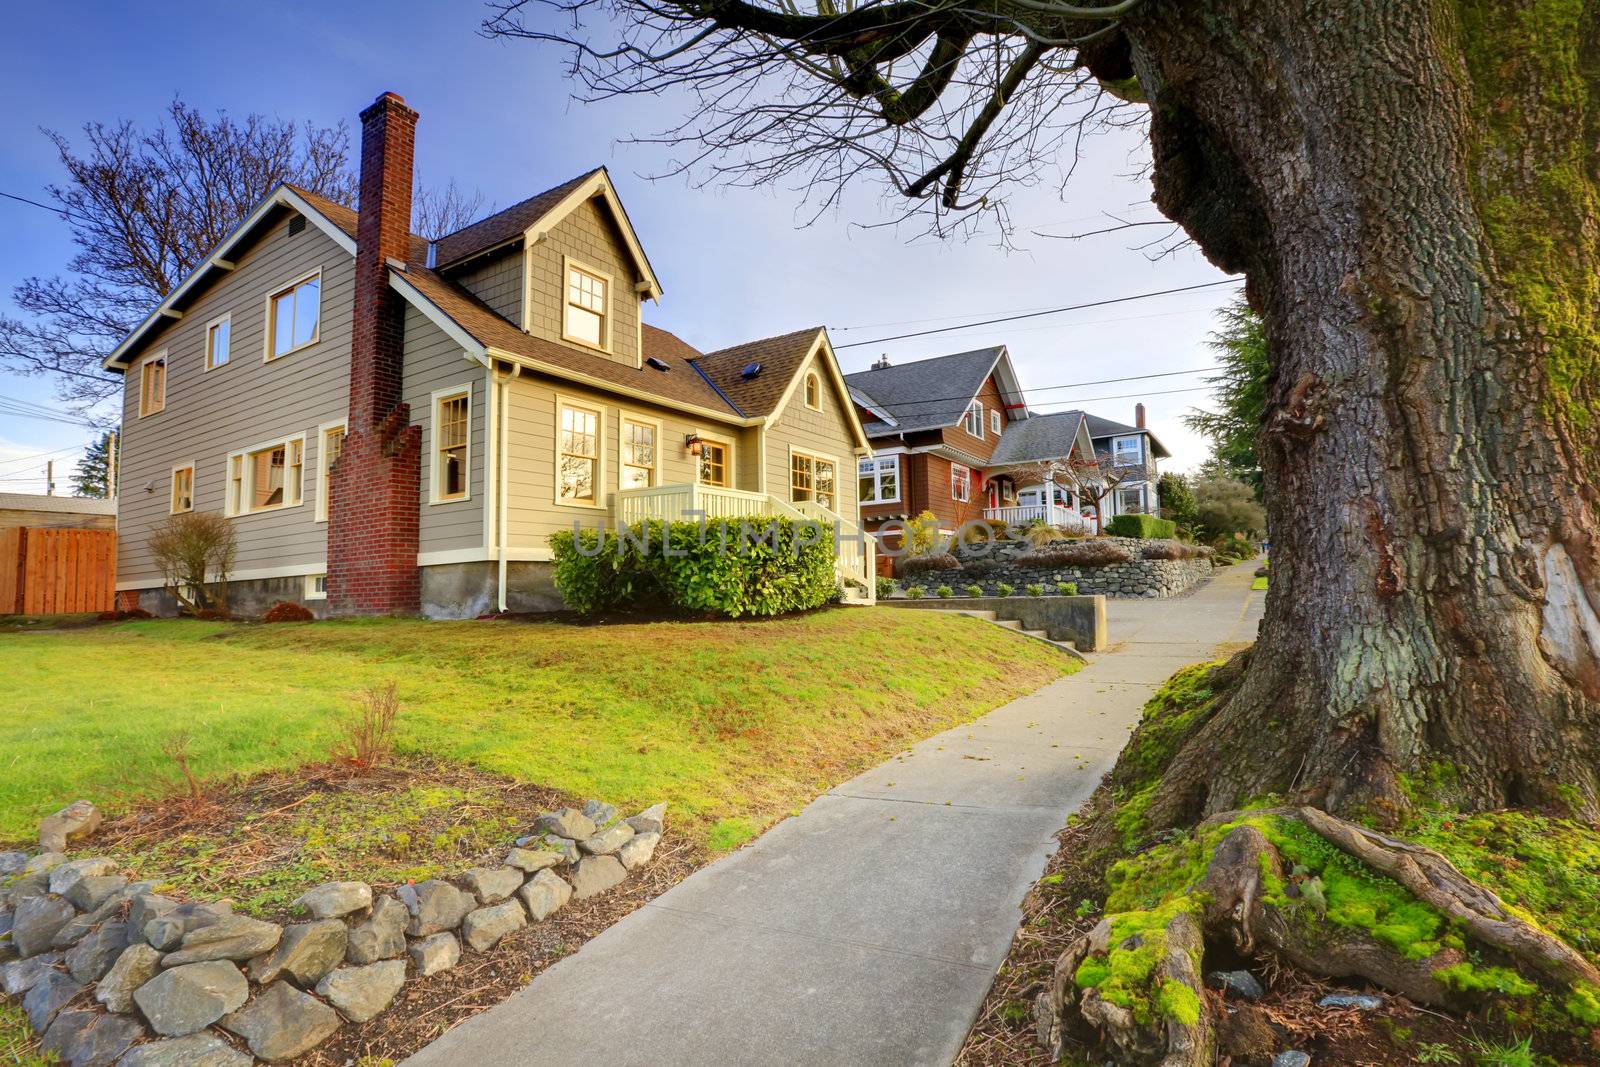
x: 926, y: 395
x: 1037, y: 438
x: 74, y: 505
x: 1099, y: 428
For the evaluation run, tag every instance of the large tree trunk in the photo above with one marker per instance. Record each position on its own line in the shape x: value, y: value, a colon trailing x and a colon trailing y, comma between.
x: 1412, y: 189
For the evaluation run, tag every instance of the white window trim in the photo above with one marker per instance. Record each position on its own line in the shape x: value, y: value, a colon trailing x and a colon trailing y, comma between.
x: 1143, y: 489
x: 435, y: 468
x: 267, y: 324
x: 564, y: 401
x: 974, y: 419
x: 166, y: 367
x: 877, y: 480
x: 624, y: 416
x: 812, y: 376
x: 311, y: 592
x: 994, y: 421
x: 733, y: 458
x: 966, y: 470
x: 814, y: 456
x: 324, y: 478
x: 242, y: 455
x: 1138, y: 448
x: 607, y: 318
x: 172, y: 488
x: 206, y: 339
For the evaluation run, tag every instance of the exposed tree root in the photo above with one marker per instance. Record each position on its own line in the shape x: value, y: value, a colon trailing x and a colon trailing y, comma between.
x: 1246, y: 899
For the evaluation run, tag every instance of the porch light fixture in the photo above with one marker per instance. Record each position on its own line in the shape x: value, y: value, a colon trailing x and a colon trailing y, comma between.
x: 693, y: 444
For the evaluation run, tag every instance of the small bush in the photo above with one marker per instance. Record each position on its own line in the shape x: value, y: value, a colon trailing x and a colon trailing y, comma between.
x: 369, y: 733
x: 974, y: 590
x: 1169, y: 550
x: 288, y: 611
x: 939, y: 561
x: 1034, y: 589
x: 885, y: 588
x: 1141, y: 526
x: 1004, y: 590
x: 1081, y: 554
x: 916, y: 592
x: 730, y: 567
x: 1067, y: 589
x: 1042, y: 533
x: 944, y: 592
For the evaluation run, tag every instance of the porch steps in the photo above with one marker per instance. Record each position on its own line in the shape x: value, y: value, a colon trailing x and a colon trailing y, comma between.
x: 1015, y: 626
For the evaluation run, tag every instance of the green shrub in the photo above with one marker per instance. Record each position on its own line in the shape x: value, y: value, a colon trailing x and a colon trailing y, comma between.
x: 1067, y: 589
x: 916, y: 592
x: 974, y: 590
x: 1141, y: 526
x: 1034, y: 589
x: 944, y: 592
x: 885, y: 588
x: 1004, y: 590
x: 728, y: 567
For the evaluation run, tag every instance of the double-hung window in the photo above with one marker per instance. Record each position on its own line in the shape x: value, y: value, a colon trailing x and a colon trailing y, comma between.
x: 266, y: 478
x: 585, y: 317
x: 452, y: 412
x: 1128, y: 451
x: 182, y: 489
x: 577, y: 454
x: 960, y: 483
x: 994, y: 422
x: 153, y: 385
x: 812, y: 478
x: 1130, y: 500
x: 879, y: 479
x: 218, y: 335
x: 638, y: 453
x: 294, y: 316
x: 973, y: 421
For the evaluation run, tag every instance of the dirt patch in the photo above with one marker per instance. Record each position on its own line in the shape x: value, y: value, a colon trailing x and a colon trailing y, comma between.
x: 264, y: 841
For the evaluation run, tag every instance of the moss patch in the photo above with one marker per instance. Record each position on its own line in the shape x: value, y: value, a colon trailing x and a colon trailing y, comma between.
x: 1124, y: 975
x: 19, y: 1045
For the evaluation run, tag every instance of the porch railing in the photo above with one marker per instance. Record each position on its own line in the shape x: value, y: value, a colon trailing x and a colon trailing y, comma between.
x: 854, y: 551
x: 1052, y: 514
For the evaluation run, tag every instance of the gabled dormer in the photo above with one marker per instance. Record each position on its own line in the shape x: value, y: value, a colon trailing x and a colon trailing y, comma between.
x: 565, y: 266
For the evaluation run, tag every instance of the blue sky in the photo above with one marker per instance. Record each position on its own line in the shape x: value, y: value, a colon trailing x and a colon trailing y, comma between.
x: 736, y: 264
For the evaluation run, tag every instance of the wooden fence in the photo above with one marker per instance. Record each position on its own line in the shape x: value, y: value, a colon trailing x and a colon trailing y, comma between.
x: 57, y: 572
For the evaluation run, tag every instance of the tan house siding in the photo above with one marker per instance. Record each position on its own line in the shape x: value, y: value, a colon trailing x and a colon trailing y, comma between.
x: 497, y: 281
x: 248, y: 401
x: 435, y: 362
x: 590, y: 238
x: 533, y: 515
x: 826, y: 433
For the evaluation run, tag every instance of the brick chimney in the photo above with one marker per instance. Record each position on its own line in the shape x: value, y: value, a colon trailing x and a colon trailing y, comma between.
x: 373, y: 513
x: 1138, y: 415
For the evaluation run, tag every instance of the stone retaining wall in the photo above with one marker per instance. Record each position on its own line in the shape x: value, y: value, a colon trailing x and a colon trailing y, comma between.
x: 1136, y: 578
x: 111, y: 972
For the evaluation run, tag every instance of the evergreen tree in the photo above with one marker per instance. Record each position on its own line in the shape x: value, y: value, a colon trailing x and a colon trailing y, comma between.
x: 1241, y: 395
x: 93, y: 475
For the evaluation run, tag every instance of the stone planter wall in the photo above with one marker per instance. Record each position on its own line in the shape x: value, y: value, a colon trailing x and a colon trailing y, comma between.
x: 111, y: 972
x: 1136, y: 578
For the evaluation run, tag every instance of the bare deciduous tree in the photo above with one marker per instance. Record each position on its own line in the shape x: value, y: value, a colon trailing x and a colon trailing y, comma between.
x: 194, y: 552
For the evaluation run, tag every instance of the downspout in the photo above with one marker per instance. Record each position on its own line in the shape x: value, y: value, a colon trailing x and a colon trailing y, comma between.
x: 503, y: 474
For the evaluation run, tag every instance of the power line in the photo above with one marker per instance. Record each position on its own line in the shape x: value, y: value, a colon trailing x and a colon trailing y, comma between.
x: 42, y: 455
x: 907, y: 406
x: 46, y: 207
x: 1050, y: 311
x: 1133, y: 396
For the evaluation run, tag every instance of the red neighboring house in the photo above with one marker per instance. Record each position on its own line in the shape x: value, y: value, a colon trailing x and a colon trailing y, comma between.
x: 954, y: 436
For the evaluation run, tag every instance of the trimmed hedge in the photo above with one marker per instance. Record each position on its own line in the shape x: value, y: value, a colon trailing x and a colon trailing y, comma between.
x: 729, y: 567
x: 1141, y: 526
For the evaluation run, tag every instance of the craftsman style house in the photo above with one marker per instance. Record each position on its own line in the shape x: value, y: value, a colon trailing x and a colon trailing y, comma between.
x: 393, y: 425
x: 954, y: 436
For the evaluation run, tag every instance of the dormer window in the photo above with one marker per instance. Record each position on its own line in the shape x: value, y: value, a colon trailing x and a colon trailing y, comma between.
x: 586, y: 316
x: 973, y: 420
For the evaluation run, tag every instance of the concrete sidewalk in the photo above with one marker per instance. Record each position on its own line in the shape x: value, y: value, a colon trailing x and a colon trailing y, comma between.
x: 865, y: 930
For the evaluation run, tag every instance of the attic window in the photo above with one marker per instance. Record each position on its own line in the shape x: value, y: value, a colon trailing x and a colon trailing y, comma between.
x: 658, y: 364
x: 297, y: 224
x: 813, y: 392
x: 750, y: 371
x: 585, y: 319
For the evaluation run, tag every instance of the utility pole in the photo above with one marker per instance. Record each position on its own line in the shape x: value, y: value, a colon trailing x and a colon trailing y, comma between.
x: 111, y: 465
x: 50, y: 478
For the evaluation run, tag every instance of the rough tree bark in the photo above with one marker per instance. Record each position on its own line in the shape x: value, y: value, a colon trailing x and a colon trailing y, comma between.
x: 1412, y: 189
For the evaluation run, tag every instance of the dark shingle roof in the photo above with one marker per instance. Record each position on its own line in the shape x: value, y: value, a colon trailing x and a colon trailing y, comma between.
x: 505, y: 225
x: 780, y: 357
x: 926, y: 395
x: 1099, y: 428
x: 1037, y: 438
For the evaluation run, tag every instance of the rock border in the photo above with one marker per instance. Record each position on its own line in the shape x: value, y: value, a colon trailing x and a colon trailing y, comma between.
x: 168, y: 978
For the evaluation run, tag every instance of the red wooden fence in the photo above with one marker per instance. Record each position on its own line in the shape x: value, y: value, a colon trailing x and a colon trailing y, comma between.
x: 57, y: 572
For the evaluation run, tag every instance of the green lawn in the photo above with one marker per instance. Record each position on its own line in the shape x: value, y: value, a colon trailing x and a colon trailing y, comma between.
x: 1259, y: 583
x: 734, y: 723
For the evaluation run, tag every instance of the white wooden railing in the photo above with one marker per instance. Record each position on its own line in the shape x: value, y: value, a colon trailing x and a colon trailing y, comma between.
x: 855, y: 554
x: 1052, y: 514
